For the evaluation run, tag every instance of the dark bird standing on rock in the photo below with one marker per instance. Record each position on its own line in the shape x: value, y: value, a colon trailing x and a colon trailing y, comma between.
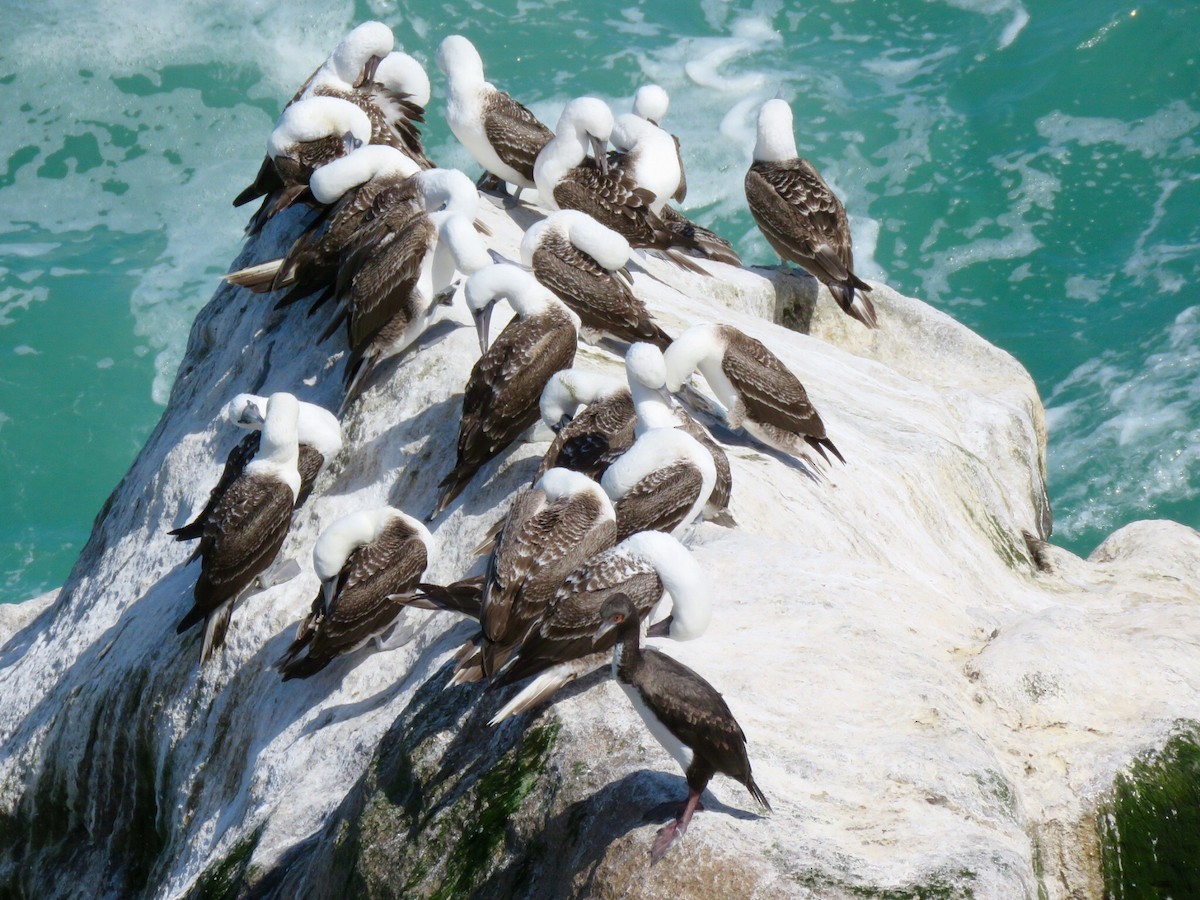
x: 800, y: 216
x: 684, y: 712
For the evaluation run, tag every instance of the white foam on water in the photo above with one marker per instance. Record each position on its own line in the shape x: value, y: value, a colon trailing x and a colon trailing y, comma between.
x: 1030, y: 201
x: 1146, y: 448
x: 171, y: 158
x: 1014, y: 9
x: 1163, y: 135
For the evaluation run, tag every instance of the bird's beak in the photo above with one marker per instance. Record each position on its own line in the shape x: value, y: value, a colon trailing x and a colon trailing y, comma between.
x: 483, y: 319
x: 350, y: 142
x: 368, y: 72
x: 598, y: 150
x: 561, y: 424
x: 666, y: 396
x: 251, y: 416
x: 605, y: 627
x: 661, y: 628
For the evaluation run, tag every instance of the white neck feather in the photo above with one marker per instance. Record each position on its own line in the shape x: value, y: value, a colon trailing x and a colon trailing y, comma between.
x: 401, y: 73
x: 332, y: 180
x: 315, y: 118
x: 351, y: 55
x: 569, y: 389
x: 598, y: 241
x: 449, y: 190
x: 653, y: 450
x: 776, y: 140
x: 461, y: 63
x: 698, y: 347
x: 278, y: 451
x: 558, y: 484
x: 691, y: 603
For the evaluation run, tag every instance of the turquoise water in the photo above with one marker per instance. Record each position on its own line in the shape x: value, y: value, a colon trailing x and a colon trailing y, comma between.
x: 1031, y: 168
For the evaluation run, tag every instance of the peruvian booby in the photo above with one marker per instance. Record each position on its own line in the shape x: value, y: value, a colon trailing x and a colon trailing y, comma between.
x: 758, y: 391
x: 661, y: 483
x: 247, y: 526
x: 648, y: 567
x: 505, y: 385
x: 684, y: 712
x: 591, y: 440
x: 654, y: 407
x: 567, y: 179
x: 310, y: 133
x: 583, y: 263
x: 390, y: 86
x: 364, y: 47
x: 550, y: 529
x: 648, y: 155
x: 799, y: 215
x: 502, y: 135
x: 395, y: 101
x: 386, y: 276
x: 369, y: 564
x: 651, y: 103
x: 319, y: 439
x: 359, y: 186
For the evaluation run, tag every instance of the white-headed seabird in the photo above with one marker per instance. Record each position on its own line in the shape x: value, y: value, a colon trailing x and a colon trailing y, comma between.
x: 648, y: 567
x: 396, y: 101
x: 390, y: 86
x: 758, y: 391
x: 319, y: 439
x: 684, y: 712
x: 502, y: 135
x: 568, y: 179
x: 583, y: 262
x: 661, y: 483
x: 591, y: 440
x: 502, y: 393
x: 366, y: 43
x: 654, y: 407
x: 551, y: 528
x: 243, y: 533
x: 386, y: 278
x: 369, y: 564
x: 651, y: 103
x: 648, y: 155
x: 799, y: 215
x: 310, y: 133
x: 359, y: 186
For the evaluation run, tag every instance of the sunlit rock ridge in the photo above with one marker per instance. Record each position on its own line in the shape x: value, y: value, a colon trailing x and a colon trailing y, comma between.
x: 935, y: 702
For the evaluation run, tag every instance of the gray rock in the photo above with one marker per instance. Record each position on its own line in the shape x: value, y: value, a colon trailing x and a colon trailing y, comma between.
x: 935, y: 699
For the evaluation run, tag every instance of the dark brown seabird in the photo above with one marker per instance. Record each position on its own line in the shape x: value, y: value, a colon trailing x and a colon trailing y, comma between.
x: 358, y: 187
x: 648, y: 567
x: 684, y: 712
x: 583, y: 263
x: 501, y: 398
x: 799, y: 215
x: 309, y: 134
x: 319, y: 436
x: 369, y: 564
x: 758, y: 391
x: 351, y: 63
x: 586, y: 441
x: 243, y: 534
x: 567, y: 179
x: 550, y: 529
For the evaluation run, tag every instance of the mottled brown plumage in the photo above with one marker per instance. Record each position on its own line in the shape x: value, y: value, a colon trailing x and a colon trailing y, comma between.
x: 375, y: 583
x: 806, y: 224
x: 602, y: 299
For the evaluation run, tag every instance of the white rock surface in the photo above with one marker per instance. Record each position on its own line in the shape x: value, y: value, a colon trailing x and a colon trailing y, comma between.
x: 923, y: 706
